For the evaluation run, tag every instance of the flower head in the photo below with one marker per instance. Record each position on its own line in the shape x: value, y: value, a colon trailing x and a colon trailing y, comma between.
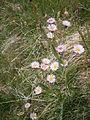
x: 35, y: 64
x: 51, y: 20
x: 52, y: 27
x: 27, y: 105
x: 60, y: 48
x: 66, y: 23
x: 33, y: 116
x: 38, y: 90
x: 54, y: 66
x: 45, y: 60
x: 51, y: 78
x: 50, y: 35
x: 44, y: 67
x: 65, y: 63
x: 78, y: 49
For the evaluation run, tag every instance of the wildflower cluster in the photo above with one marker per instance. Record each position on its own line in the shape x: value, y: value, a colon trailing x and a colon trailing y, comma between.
x: 51, y: 27
x: 48, y: 65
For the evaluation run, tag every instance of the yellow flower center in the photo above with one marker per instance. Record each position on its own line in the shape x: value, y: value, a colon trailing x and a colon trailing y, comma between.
x: 50, y: 35
x: 78, y: 49
x: 38, y: 89
x: 35, y: 65
x: 64, y: 62
x: 44, y: 66
x: 51, y: 20
x: 52, y: 28
x: 51, y: 78
x: 27, y: 104
x: 33, y: 115
x: 55, y: 66
x: 60, y: 48
x: 46, y: 61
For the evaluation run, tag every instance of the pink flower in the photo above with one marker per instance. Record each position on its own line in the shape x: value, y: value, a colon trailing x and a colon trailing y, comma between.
x: 35, y: 64
x: 51, y: 20
x: 60, y: 48
x: 78, y: 49
x: 44, y: 67
x: 50, y: 35
x: 54, y: 66
x: 66, y: 23
x: 52, y: 27
x: 33, y: 116
x: 27, y: 105
x: 51, y: 78
x: 65, y: 63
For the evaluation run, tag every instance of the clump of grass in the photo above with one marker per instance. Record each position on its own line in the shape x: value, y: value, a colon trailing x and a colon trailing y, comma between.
x: 24, y: 41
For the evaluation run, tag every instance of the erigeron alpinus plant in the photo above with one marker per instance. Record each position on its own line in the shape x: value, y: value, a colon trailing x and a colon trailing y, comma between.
x: 21, y: 43
x: 52, y: 88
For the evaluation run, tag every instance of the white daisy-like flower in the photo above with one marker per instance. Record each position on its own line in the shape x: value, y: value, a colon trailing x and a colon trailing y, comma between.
x: 38, y: 90
x: 50, y: 35
x: 54, y: 66
x: 35, y: 64
x: 60, y: 48
x: 27, y: 105
x: 51, y: 78
x: 66, y: 23
x: 45, y: 60
x: 78, y: 49
x: 65, y: 63
x: 52, y: 27
x: 33, y: 115
x: 51, y: 20
x: 44, y: 66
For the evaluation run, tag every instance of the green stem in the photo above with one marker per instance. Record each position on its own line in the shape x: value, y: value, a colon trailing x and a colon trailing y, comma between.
x: 83, y: 40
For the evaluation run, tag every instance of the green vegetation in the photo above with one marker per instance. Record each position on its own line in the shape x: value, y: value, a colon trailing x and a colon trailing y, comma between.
x: 23, y: 40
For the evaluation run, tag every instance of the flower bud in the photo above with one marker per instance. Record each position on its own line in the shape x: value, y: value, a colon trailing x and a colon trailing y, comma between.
x: 66, y: 13
x: 58, y: 14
